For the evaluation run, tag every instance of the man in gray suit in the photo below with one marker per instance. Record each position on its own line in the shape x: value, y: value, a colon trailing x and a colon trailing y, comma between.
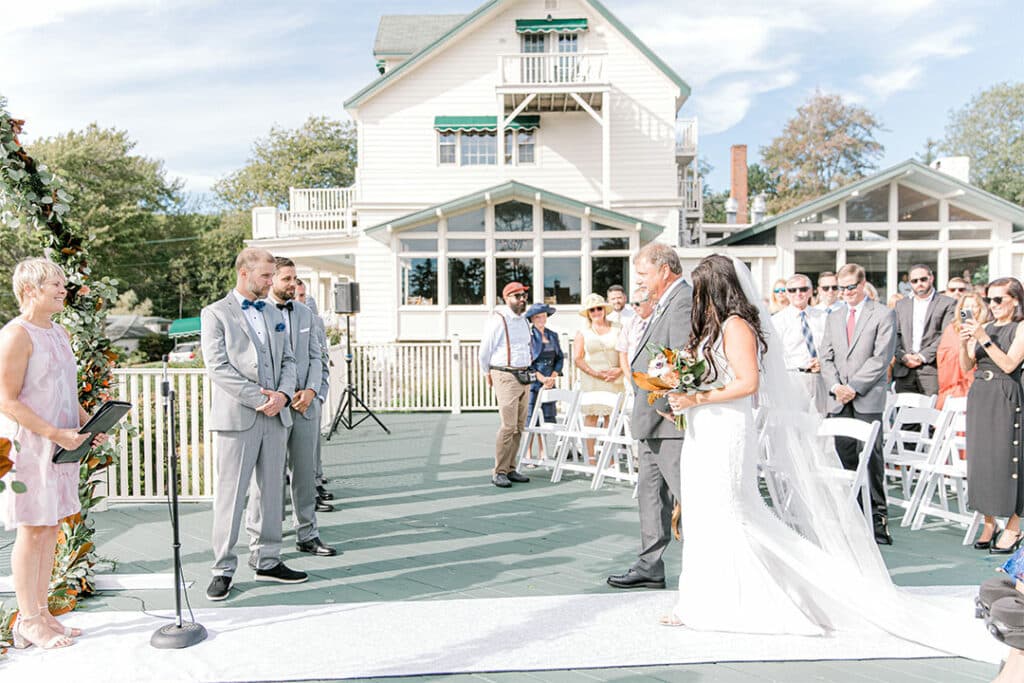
x: 252, y: 374
x: 859, y: 343
x: 305, y: 432
x: 920, y: 321
x: 322, y: 494
x: 659, y: 271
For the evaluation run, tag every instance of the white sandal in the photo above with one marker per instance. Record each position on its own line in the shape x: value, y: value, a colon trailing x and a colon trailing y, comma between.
x: 69, y: 631
x: 21, y: 641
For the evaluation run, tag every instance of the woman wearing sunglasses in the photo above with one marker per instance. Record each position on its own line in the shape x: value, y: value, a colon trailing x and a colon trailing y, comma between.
x: 778, y: 299
x: 995, y: 475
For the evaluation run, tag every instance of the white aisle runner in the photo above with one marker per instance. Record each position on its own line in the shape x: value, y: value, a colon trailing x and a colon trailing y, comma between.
x: 437, y: 636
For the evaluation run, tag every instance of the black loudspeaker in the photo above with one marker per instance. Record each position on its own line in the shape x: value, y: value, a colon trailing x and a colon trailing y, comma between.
x: 346, y: 298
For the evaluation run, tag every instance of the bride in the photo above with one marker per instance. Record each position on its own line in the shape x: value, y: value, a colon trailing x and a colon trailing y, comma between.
x: 744, y: 568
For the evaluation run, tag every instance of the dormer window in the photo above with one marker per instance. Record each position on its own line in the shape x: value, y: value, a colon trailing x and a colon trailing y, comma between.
x: 473, y: 140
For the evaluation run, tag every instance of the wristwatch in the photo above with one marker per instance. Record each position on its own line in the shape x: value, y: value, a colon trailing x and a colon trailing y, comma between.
x: 986, y: 344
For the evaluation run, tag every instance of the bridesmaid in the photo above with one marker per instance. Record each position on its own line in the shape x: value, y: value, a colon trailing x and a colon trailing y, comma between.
x: 39, y: 409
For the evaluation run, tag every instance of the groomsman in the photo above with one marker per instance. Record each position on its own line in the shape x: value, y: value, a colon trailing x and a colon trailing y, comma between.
x: 251, y: 366
x: 305, y: 431
x: 920, y: 321
x: 860, y: 340
x: 322, y: 494
x: 658, y: 271
x: 801, y: 330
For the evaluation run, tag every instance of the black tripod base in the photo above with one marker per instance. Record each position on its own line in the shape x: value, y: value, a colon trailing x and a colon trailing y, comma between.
x: 173, y: 637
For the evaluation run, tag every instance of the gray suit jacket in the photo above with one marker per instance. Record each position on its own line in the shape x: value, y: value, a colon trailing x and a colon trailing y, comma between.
x: 937, y: 318
x: 864, y: 364
x: 671, y: 329
x: 229, y: 351
x: 305, y: 340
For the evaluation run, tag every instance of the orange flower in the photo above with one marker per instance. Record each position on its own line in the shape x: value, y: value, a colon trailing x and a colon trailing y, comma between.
x: 5, y: 456
x: 84, y: 290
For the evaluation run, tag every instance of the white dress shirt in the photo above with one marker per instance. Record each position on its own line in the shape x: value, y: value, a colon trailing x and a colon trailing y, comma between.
x: 285, y: 313
x: 631, y: 334
x: 493, y: 349
x: 624, y: 316
x: 920, y: 314
x: 794, y: 349
x: 254, y: 317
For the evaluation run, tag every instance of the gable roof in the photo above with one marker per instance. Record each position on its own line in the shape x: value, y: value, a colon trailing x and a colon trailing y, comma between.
x: 507, y: 191
x: 910, y: 167
x: 405, y: 34
x: 469, y: 19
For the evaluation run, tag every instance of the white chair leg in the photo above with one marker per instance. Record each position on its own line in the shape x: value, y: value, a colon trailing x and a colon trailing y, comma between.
x: 972, y: 529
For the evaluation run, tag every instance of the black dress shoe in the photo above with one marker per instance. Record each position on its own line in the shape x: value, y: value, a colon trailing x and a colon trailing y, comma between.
x: 281, y: 574
x: 882, y: 536
x: 996, y: 550
x: 324, y: 494
x: 321, y: 506
x: 315, y: 546
x: 517, y: 478
x: 219, y: 588
x: 501, y: 481
x: 633, y: 579
x: 985, y: 545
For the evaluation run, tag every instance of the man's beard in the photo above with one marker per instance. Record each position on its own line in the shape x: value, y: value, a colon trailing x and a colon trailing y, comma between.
x: 283, y: 295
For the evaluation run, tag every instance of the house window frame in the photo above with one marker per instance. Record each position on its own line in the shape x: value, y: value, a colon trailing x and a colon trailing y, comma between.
x: 512, y: 151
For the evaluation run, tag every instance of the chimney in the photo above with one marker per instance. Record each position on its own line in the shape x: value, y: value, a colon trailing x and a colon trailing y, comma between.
x: 758, y: 208
x: 958, y: 167
x: 738, y: 185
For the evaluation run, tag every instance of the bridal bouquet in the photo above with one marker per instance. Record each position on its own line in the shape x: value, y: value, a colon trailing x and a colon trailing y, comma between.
x: 672, y: 371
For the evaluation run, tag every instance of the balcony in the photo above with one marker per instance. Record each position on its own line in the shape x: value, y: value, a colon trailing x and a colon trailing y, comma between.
x: 552, y: 78
x: 686, y: 140
x: 310, y: 211
x: 690, y: 191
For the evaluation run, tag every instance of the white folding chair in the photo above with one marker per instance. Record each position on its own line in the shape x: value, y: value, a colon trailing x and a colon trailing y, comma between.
x: 910, y: 442
x: 617, y: 449
x: 576, y: 433
x: 894, y: 402
x: 550, y: 433
x: 857, y: 480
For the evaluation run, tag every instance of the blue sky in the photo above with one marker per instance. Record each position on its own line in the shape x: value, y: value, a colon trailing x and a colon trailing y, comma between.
x: 196, y: 81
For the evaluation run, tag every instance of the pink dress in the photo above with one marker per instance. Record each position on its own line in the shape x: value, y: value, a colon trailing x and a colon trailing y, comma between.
x: 50, y: 390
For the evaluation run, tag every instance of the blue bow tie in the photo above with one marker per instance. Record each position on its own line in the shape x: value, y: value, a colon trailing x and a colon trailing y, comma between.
x: 258, y: 305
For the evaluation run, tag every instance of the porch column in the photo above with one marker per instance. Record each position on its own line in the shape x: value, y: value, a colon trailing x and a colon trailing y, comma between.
x: 606, y: 158
x: 499, y: 119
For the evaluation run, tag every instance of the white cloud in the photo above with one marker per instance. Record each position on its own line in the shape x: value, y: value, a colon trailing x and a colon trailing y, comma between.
x: 886, y: 84
x: 911, y: 60
x: 722, y: 107
x: 29, y: 15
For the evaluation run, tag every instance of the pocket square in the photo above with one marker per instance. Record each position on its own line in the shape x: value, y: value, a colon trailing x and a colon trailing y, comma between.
x: 279, y: 327
x: 303, y: 329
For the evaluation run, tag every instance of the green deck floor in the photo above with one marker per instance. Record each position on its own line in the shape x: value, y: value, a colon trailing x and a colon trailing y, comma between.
x: 419, y: 520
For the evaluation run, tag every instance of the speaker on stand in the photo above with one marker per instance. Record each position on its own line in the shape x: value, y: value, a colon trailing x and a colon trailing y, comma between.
x: 346, y: 303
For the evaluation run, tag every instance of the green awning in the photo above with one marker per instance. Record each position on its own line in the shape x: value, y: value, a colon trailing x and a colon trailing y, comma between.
x: 482, y: 123
x: 550, y: 25
x: 184, y: 327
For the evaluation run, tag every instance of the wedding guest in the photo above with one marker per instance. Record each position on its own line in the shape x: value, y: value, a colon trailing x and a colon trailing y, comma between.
x: 995, y: 475
x: 39, y: 410
x: 904, y: 286
x: 957, y: 287
x: 322, y: 494
x: 895, y: 299
x: 620, y: 311
x: 633, y: 331
x: 505, y: 361
x: 870, y: 292
x: 595, y: 355
x: 548, y: 358
x: 777, y: 301
x: 953, y: 381
x: 251, y: 367
x: 304, y: 433
x: 920, y: 321
x: 828, y: 291
x: 660, y: 273
x: 801, y: 330
x: 860, y: 340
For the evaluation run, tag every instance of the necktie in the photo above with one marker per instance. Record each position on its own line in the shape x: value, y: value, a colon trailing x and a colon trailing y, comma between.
x: 258, y: 305
x: 808, y: 337
x: 289, y: 305
x: 851, y: 324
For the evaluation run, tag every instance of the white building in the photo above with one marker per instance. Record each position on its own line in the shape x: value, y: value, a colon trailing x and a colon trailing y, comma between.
x: 592, y: 163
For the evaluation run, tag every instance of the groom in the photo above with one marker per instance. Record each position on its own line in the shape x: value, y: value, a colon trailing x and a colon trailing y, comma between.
x: 659, y: 271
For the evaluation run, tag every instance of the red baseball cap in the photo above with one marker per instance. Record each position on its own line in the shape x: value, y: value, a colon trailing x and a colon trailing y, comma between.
x: 513, y: 288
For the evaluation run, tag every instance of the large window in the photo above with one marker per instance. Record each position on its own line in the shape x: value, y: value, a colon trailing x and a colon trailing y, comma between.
x: 479, y: 148
x: 512, y: 270
x: 874, y: 265
x: 829, y: 215
x: 957, y: 214
x: 872, y: 207
x: 916, y: 206
x: 606, y: 271
x: 971, y: 264
x: 466, y: 280
x: 813, y: 263
x: 472, y: 221
x: 419, y: 281
x: 907, y: 258
x: 556, y: 221
x: 562, y: 280
x: 513, y: 217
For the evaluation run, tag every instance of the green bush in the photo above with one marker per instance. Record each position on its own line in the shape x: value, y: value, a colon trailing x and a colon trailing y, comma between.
x: 155, y: 346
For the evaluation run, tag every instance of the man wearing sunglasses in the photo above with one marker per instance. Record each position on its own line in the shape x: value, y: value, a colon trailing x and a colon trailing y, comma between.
x: 920, y: 321
x: 801, y: 329
x: 957, y: 288
x: 828, y: 292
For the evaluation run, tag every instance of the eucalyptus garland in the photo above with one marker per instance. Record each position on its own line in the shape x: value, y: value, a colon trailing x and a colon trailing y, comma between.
x: 32, y: 198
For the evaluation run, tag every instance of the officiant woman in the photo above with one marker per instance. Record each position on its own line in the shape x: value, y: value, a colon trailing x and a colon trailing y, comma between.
x: 39, y: 410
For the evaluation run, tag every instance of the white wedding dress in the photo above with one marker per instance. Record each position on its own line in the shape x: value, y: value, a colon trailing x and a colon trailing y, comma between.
x: 744, y: 569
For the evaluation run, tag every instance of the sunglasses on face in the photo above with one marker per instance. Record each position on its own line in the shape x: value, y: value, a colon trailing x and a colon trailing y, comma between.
x: 828, y: 288
x: 958, y: 289
x: 595, y: 309
x: 995, y: 299
x: 519, y: 295
x: 847, y: 288
x: 780, y: 290
x: 918, y: 280
x: 636, y: 304
x: 794, y: 290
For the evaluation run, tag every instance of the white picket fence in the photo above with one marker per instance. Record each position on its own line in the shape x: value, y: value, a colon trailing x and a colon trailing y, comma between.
x: 399, y: 377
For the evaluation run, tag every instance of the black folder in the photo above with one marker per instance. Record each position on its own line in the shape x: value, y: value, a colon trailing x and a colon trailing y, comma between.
x: 109, y: 414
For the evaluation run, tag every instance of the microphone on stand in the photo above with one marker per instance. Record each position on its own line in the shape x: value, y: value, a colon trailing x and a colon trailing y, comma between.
x: 180, y: 634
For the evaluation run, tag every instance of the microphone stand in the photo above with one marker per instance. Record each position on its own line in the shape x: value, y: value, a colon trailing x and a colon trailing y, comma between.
x: 180, y: 634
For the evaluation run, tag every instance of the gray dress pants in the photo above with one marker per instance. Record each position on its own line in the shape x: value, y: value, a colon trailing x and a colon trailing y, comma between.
x: 657, y: 489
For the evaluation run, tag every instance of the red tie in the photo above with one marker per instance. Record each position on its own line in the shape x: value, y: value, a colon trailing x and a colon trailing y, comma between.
x: 851, y: 323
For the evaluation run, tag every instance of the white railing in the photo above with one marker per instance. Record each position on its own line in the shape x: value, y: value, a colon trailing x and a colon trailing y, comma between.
x: 690, y: 190
x: 304, y: 200
x: 686, y: 137
x: 294, y: 222
x: 310, y: 210
x: 551, y: 68
x: 401, y: 377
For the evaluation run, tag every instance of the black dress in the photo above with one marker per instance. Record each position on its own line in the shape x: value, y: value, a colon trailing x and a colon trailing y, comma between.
x: 995, y: 477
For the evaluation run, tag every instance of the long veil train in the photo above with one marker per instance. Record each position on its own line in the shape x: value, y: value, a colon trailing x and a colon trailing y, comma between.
x: 834, y: 568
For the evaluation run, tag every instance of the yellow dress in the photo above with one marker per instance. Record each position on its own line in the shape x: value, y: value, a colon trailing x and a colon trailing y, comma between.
x: 600, y: 354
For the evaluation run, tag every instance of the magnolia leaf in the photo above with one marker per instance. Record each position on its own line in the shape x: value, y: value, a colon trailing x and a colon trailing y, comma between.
x: 18, y: 486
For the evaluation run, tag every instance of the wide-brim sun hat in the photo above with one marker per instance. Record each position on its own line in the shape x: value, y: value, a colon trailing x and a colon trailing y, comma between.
x: 594, y: 300
x: 539, y: 308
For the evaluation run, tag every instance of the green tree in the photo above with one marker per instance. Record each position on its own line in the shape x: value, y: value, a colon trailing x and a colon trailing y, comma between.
x: 827, y: 144
x: 990, y: 130
x: 930, y: 151
x: 206, y: 271
x: 319, y: 153
x: 760, y: 180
